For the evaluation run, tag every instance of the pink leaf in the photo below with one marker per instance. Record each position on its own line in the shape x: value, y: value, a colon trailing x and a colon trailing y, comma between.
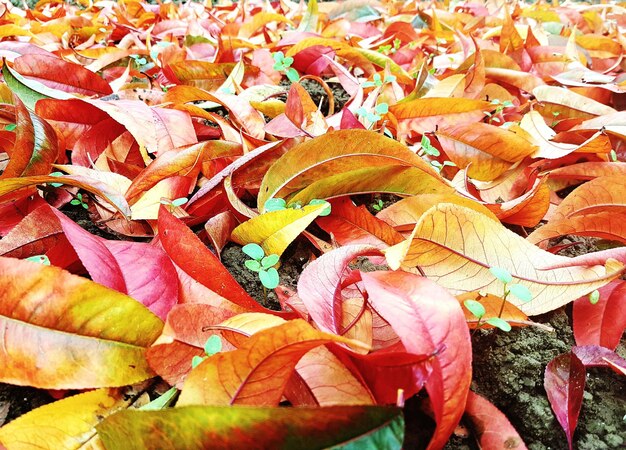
x: 493, y: 430
x: 428, y: 319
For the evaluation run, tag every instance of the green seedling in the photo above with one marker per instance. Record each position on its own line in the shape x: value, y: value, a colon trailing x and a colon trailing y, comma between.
x: 375, y: 115
x: 278, y: 204
x: 212, y: 346
x: 429, y: 149
x: 518, y: 290
x: 79, y: 200
x: 263, y: 265
x: 594, y: 297
x: 10, y: 126
x: 500, y: 106
x: 172, y: 204
x: 283, y: 64
x: 613, y: 156
x: 41, y: 259
x: 162, y: 401
x: 378, y: 206
x: 478, y: 310
x: 378, y: 82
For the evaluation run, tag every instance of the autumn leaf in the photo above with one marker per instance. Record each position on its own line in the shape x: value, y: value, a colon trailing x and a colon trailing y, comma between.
x: 235, y: 426
x: 492, y: 428
x: 56, y: 332
x: 449, y: 244
x: 257, y: 372
x: 564, y: 382
x: 81, y: 413
x: 341, y: 153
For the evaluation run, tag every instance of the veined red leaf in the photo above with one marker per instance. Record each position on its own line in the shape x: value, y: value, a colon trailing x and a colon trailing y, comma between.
x: 602, y: 224
x: 191, y: 255
x: 350, y: 224
x: 61, y: 75
x: 426, y: 326
x: 564, y: 382
x: 238, y: 427
x: 57, y: 332
x: 603, y: 323
x: 598, y: 195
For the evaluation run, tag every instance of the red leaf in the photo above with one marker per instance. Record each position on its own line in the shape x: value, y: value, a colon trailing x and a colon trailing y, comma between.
x: 350, y: 224
x: 428, y: 320
x: 597, y: 356
x: 603, y: 323
x: 65, y: 76
x: 493, y: 430
x: 191, y: 255
x: 564, y: 382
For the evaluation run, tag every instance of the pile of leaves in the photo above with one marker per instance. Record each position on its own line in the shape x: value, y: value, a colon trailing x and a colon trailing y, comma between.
x: 183, y: 129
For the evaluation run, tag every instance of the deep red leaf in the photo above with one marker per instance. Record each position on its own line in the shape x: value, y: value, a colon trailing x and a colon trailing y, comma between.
x: 564, y: 382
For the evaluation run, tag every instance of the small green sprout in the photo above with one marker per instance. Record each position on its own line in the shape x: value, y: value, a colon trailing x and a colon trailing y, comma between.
x: 428, y: 148
x: 500, y: 106
x: 283, y: 64
x: 10, y: 126
x: 278, y: 204
x: 79, y: 200
x: 594, y: 297
x: 613, y: 156
x: 172, y: 204
x: 263, y: 265
x: 56, y: 174
x: 478, y: 310
x: 373, y: 116
x: 518, y: 290
x: 41, y: 259
x: 212, y: 346
x: 378, y: 82
x: 378, y: 206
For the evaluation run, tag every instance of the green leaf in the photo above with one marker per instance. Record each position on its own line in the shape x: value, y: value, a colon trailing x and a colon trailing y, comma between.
x: 196, y: 360
x: 179, y: 201
x: 269, y: 278
x: 475, y: 308
x: 254, y: 251
x: 428, y: 147
x: 292, y: 74
x: 269, y: 261
x: 253, y: 265
x: 501, y: 274
x: 594, y: 297
x: 317, y: 201
x: 275, y: 204
x: 382, y: 108
x: 75, y: 202
x: 219, y: 427
x: 521, y: 292
x: 499, y: 323
x: 10, y: 126
x: 213, y: 345
x: 41, y: 259
x: 162, y: 401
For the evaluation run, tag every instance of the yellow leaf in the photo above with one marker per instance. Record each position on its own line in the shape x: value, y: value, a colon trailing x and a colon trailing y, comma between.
x: 275, y: 230
x: 455, y: 246
x: 66, y: 424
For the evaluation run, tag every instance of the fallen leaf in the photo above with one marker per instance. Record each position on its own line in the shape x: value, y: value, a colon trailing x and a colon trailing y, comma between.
x: 186, y: 427
x: 564, y: 382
